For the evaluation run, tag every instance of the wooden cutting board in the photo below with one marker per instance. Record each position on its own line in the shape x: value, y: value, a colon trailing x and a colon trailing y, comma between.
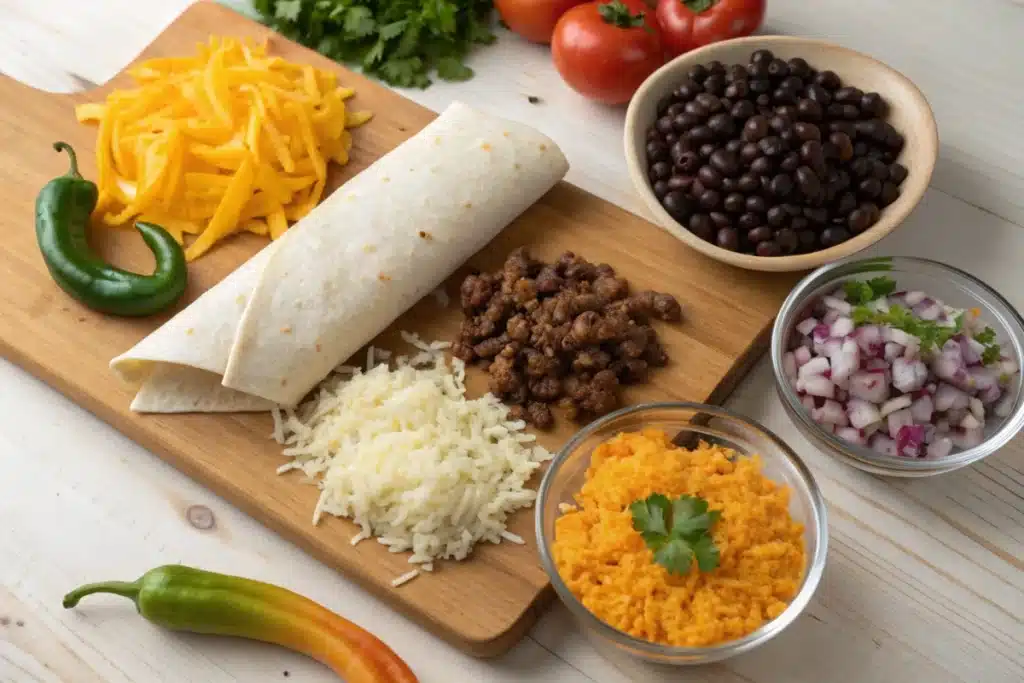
x: 483, y: 605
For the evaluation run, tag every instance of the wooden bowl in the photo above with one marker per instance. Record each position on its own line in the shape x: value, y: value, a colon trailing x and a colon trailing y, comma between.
x: 908, y: 112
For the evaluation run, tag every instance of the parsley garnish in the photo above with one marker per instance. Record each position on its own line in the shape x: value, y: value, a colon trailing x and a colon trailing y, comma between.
x: 688, y: 537
x: 861, y: 291
x: 399, y: 41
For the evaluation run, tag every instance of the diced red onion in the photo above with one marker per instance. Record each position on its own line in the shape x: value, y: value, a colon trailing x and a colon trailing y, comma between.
x: 831, y: 413
x: 819, y: 386
x: 929, y: 433
x: 954, y: 415
x: 914, y: 297
x: 912, y: 351
x: 831, y: 315
x: 893, y: 351
x: 894, y: 404
x: 841, y: 394
x: 802, y: 355
x: 862, y: 413
x: 806, y: 326
x: 982, y: 378
x: 830, y: 347
x: 928, y: 310
x: 834, y: 303
x: 900, y: 418
x: 851, y: 435
x: 876, y: 365
x: 1005, y: 406
x: 922, y: 408
x: 909, y: 375
x: 842, y: 327
x: 815, y: 366
x: 966, y: 438
x: 846, y: 361
x: 894, y: 334
x: 970, y: 350
x: 942, y: 425
x: 868, y: 336
x: 939, y: 448
x: 909, y: 440
x: 881, y: 443
x: 869, y: 386
x: 990, y: 395
x: 977, y: 409
x: 881, y: 305
x: 1008, y: 366
x: 970, y: 422
x: 820, y: 333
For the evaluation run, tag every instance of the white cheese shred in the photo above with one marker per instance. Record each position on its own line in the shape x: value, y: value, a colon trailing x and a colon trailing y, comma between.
x: 403, y: 454
x: 405, y: 578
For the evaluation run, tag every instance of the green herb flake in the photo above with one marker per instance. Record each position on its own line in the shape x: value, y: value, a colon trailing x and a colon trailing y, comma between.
x: 689, y: 536
x: 860, y: 292
x: 401, y: 42
x: 986, y: 336
x: 991, y: 354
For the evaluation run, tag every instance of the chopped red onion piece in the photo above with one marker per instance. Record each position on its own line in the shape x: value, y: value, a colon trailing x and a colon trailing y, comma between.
x: 893, y: 351
x: 831, y: 315
x: 970, y: 422
x: 970, y: 350
x: 909, y: 375
x: 802, y: 355
x: 815, y: 366
x: 922, y: 408
x: 909, y: 440
x: 820, y: 333
x: 942, y: 425
x: 928, y: 310
x: 982, y: 378
x: 806, y: 326
x: 914, y: 297
x: 894, y: 404
x: 1008, y: 367
x: 967, y: 438
x: 880, y: 443
x: 851, y: 435
x: 990, y: 395
x: 1005, y: 406
x: 977, y: 409
x: 939, y: 448
x: 900, y: 418
x: 869, y: 386
x: 834, y: 303
x: 862, y: 413
x: 842, y: 327
x: 819, y: 386
x: 868, y: 337
x: 894, y: 334
x: 831, y: 413
x: 807, y: 402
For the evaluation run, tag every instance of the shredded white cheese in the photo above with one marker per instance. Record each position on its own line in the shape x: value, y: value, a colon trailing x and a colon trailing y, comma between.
x: 403, y: 454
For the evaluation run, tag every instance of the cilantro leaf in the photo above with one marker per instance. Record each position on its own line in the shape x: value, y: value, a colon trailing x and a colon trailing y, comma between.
x: 986, y: 336
x: 882, y: 286
x: 398, y: 41
x: 674, y: 548
x: 862, y: 292
x: 991, y: 354
x: 676, y: 556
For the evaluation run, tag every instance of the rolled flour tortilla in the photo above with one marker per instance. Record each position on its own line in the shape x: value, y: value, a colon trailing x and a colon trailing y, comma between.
x: 276, y: 326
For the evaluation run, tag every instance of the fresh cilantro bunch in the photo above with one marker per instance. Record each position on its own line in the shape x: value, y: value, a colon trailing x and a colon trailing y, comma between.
x: 398, y: 41
x: 859, y: 293
x: 688, y: 536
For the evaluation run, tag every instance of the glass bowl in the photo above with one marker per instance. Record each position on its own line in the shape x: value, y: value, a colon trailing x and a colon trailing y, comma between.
x: 691, y: 422
x: 955, y: 288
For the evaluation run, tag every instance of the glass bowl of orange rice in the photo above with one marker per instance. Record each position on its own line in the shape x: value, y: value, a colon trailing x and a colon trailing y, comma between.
x: 681, y: 533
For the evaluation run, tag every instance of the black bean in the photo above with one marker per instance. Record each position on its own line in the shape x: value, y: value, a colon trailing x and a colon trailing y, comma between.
x: 898, y: 173
x: 851, y: 112
x: 660, y: 188
x: 701, y: 225
x: 664, y: 103
x: 725, y: 162
x: 847, y: 202
x: 748, y: 183
x: 722, y: 125
x: 817, y: 215
x: 715, y: 67
x: 834, y: 111
x: 729, y: 184
x: 670, y: 138
x: 768, y: 248
x: 688, y: 90
x: 676, y: 109
x: 748, y: 221
x: 697, y: 73
x: 787, y: 110
x: 688, y: 163
x: 743, y: 109
x: 872, y: 104
x: 720, y: 219
x: 818, y: 94
x: 894, y: 139
x: 813, y: 154
x: 700, y: 135
x: 776, y: 216
x: 679, y: 149
x: 762, y: 101
x: 759, y: 234
x: 737, y: 90
x: 660, y: 170
x: 872, y: 211
x: 755, y: 204
x: 870, y: 187
x: 678, y: 205
x: 696, y: 108
x: 710, y: 199
x: 706, y: 150
x: 800, y: 223
x: 806, y: 131
x: 711, y: 178
x: 761, y: 86
x: 728, y: 238
x: 833, y: 235
x: 680, y: 182
x: 755, y: 128
x: 711, y: 102
x: 849, y: 94
x: 799, y: 67
x: 784, y: 96
x: 664, y: 124
x: 861, y: 167
x: 794, y: 83
x: 879, y: 169
x: 830, y: 150
x: 778, y: 69
x: 759, y: 56
x: 715, y: 84
x: 843, y: 144
x: 808, y: 110
x: 791, y: 162
x: 749, y: 152
x: 734, y: 145
x: 734, y: 203
x: 771, y: 146
x: 860, y: 149
x: 787, y: 240
x: 858, y: 221
x: 808, y: 240
x: 657, y: 150
x: 781, y: 185
x: 808, y: 181
x: 762, y: 166
x: 684, y: 122
x: 828, y: 80
x: 845, y: 127
x: 697, y: 188
x: 779, y: 123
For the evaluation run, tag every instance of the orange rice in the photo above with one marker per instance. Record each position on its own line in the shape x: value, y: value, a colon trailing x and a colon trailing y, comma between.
x: 607, y: 566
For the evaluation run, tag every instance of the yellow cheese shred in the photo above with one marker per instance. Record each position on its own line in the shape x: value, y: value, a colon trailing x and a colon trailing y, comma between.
x: 228, y: 140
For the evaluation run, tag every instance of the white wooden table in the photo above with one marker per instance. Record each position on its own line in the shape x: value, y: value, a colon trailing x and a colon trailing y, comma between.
x: 925, y: 579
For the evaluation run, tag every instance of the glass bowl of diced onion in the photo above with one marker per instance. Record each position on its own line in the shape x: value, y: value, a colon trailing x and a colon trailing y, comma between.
x: 900, y: 366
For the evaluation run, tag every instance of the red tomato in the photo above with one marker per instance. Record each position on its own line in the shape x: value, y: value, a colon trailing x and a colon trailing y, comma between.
x: 604, y: 50
x: 533, y: 19
x: 689, y: 24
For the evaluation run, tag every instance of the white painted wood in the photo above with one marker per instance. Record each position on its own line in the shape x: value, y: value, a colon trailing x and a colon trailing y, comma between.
x: 925, y: 582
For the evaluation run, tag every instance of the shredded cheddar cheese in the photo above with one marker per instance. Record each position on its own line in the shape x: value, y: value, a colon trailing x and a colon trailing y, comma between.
x: 228, y: 140
x: 606, y: 564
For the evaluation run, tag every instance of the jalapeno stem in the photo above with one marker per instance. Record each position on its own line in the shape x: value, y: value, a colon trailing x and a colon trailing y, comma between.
x: 128, y: 589
x: 65, y: 147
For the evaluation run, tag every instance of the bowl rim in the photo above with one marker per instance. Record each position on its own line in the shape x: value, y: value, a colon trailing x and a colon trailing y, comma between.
x: 862, y: 457
x: 927, y: 127
x: 700, y: 655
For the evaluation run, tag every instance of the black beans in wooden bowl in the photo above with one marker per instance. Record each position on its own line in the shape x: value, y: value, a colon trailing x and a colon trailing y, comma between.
x: 773, y: 157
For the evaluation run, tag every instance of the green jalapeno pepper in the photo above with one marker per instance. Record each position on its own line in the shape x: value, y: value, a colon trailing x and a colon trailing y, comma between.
x: 187, y: 599
x: 63, y: 208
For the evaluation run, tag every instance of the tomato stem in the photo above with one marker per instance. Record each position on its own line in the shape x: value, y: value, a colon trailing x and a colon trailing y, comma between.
x: 698, y: 6
x: 617, y: 14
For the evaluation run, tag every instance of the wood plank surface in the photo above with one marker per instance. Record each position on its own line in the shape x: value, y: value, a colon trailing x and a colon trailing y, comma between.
x: 482, y: 605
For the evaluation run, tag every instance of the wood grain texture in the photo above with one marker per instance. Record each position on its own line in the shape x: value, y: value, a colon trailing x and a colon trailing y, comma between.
x: 483, y: 605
